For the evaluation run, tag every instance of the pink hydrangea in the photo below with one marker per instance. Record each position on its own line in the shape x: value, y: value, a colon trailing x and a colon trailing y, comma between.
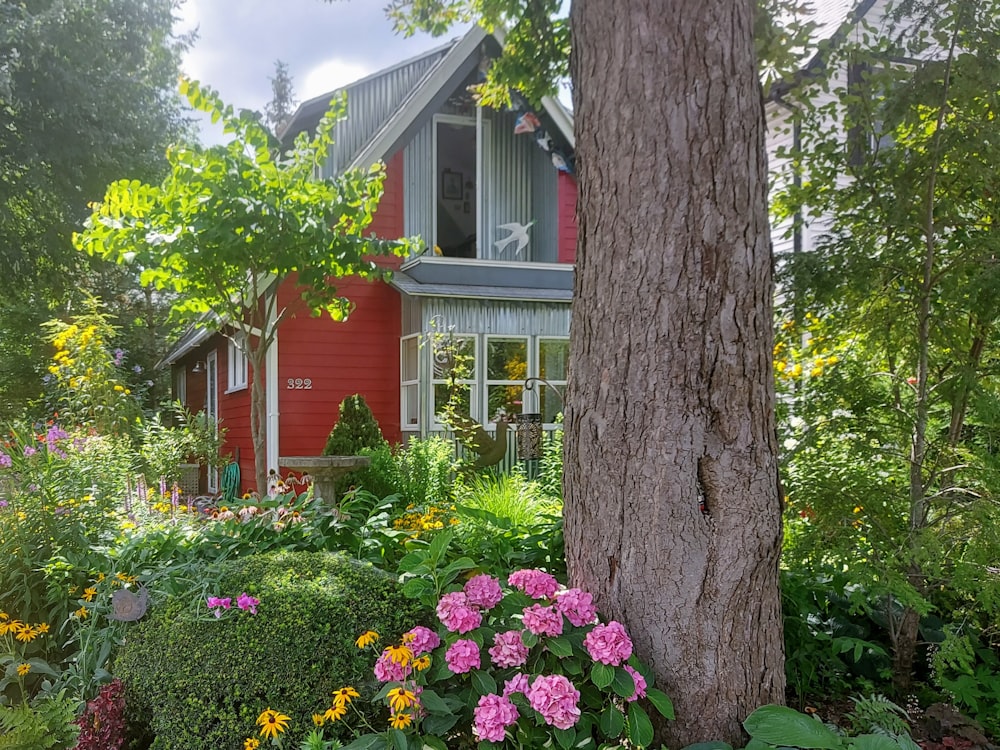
x: 555, y: 698
x: 608, y: 644
x: 421, y: 640
x: 535, y: 583
x: 640, y: 684
x: 543, y: 620
x: 455, y: 611
x: 387, y: 670
x: 577, y: 605
x: 516, y: 684
x: 508, y: 649
x: 483, y: 591
x: 462, y: 656
x: 492, y: 717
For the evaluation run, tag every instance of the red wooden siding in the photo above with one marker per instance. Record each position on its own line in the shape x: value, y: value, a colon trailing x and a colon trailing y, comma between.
x: 567, y: 218
x: 234, y: 416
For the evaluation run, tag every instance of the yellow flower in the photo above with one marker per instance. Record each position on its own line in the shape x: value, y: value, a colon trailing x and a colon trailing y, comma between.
x: 335, y: 713
x: 366, y: 639
x: 422, y: 663
x: 251, y: 743
x: 42, y: 627
x: 319, y: 719
x: 400, y: 699
x: 119, y: 388
x: 26, y: 634
x: 272, y: 723
x: 23, y: 669
x: 82, y: 613
x: 344, y: 696
x: 400, y: 721
x: 89, y: 594
x: 10, y: 626
x: 100, y: 577
x: 399, y: 654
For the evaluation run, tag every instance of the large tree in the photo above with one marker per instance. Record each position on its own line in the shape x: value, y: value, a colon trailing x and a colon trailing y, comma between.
x: 87, y: 95
x: 672, y: 509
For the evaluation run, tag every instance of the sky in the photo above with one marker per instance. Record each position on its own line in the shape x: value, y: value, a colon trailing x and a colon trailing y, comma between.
x: 324, y: 44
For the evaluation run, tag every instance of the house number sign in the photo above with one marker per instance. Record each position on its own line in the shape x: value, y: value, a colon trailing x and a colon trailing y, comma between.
x: 300, y: 384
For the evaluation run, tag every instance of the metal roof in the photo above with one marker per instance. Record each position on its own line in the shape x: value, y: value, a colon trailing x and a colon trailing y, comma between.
x: 413, y: 288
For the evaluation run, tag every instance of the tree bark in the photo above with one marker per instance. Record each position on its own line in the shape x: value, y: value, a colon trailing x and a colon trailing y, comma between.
x: 671, y: 398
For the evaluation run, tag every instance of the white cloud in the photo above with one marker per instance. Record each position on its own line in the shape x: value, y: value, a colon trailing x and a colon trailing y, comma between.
x: 329, y: 75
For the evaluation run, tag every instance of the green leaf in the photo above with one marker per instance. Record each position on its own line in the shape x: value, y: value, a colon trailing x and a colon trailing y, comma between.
x: 612, y: 722
x: 438, y: 723
x: 417, y: 587
x: 483, y: 682
x: 873, y: 742
x: 367, y: 742
x: 661, y: 702
x: 623, y: 684
x: 713, y: 745
x: 560, y: 647
x: 432, y: 742
x: 398, y: 739
x: 640, y: 728
x: 780, y: 725
x: 602, y: 675
x: 433, y: 702
x: 565, y: 737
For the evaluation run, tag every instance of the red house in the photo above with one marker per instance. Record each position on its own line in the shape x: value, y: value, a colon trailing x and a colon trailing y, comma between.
x: 493, y: 196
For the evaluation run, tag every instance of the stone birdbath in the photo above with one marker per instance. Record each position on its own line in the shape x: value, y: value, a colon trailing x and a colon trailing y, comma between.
x: 325, y: 471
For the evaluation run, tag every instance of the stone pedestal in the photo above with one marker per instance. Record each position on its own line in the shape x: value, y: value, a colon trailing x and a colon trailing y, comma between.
x: 325, y: 471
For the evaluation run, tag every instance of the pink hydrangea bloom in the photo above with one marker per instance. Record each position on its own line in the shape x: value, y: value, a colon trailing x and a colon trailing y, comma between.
x: 386, y: 670
x: 462, y: 656
x: 508, y: 649
x: 640, y: 684
x: 492, y: 717
x: 483, y: 591
x: 217, y: 605
x: 455, y: 611
x: 245, y: 601
x: 516, y: 684
x: 535, y: 583
x: 543, y: 620
x: 577, y: 605
x: 608, y: 644
x: 555, y: 698
x: 421, y: 640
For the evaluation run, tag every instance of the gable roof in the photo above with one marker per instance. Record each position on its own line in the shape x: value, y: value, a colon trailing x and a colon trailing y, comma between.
x: 386, y: 108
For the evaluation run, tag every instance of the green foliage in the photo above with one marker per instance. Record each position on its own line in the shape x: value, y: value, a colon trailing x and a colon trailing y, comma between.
x: 426, y: 471
x: 48, y: 724
x: 190, y: 438
x: 879, y: 715
x: 356, y: 429
x: 550, y: 469
x: 197, y: 682
x: 779, y: 726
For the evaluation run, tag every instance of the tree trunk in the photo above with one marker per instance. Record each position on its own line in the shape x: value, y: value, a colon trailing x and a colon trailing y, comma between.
x: 670, y: 397
x: 258, y: 418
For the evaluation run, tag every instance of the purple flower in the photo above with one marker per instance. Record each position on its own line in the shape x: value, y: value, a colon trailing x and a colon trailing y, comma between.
x: 3, y: 503
x: 29, y: 450
x: 5, y: 460
x: 119, y: 357
x: 543, y: 620
x: 483, y: 591
x: 508, y: 649
x: 455, y: 612
x: 463, y: 656
x: 492, y: 717
x: 244, y: 601
x: 216, y: 604
x: 137, y: 369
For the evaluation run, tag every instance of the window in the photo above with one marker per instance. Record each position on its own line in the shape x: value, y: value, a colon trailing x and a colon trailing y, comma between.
x: 237, y: 368
x: 454, y: 366
x: 455, y: 187
x: 553, y: 359
x: 409, y: 378
x: 180, y: 385
x: 506, y: 369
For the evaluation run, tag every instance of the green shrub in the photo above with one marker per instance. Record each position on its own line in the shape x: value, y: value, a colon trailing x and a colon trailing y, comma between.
x: 197, y: 682
x: 427, y: 469
x: 356, y: 428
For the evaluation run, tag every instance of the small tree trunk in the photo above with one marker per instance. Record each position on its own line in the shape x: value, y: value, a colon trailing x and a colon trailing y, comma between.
x: 258, y: 418
x: 672, y: 508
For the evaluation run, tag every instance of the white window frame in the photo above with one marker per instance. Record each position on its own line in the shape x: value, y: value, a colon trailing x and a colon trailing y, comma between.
x: 238, y: 367
x: 473, y: 382
x: 409, y: 385
x: 488, y: 382
x: 560, y: 384
x: 483, y: 132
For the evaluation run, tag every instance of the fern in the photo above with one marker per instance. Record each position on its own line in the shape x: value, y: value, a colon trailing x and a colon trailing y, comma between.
x: 48, y: 725
x: 878, y: 715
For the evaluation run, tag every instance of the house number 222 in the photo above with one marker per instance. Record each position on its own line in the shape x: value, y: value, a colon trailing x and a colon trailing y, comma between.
x: 300, y: 384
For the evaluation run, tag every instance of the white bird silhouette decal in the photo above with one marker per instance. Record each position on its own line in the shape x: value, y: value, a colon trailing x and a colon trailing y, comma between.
x: 518, y: 234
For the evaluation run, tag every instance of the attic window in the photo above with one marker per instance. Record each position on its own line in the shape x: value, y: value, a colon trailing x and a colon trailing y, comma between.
x: 456, y: 186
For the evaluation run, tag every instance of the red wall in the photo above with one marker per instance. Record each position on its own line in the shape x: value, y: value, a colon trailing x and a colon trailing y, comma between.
x: 567, y: 218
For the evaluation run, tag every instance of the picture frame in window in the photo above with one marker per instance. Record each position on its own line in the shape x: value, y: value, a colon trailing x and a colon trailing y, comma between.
x: 451, y: 185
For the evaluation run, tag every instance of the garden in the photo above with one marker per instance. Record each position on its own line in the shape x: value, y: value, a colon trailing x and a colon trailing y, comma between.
x: 427, y: 607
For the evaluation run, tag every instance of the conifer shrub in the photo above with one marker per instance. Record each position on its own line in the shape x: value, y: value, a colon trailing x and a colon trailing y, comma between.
x: 196, y: 682
x: 356, y: 428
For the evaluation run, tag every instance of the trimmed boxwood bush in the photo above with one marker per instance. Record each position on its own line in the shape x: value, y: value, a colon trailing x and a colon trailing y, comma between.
x: 199, y: 683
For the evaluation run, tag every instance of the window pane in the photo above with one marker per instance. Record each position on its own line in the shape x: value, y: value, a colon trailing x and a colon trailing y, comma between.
x: 505, y: 398
x: 506, y: 359
x: 553, y: 355
x: 411, y: 406
x: 456, y: 353
x: 410, y: 350
x: 462, y: 403
x: 551, y: 406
